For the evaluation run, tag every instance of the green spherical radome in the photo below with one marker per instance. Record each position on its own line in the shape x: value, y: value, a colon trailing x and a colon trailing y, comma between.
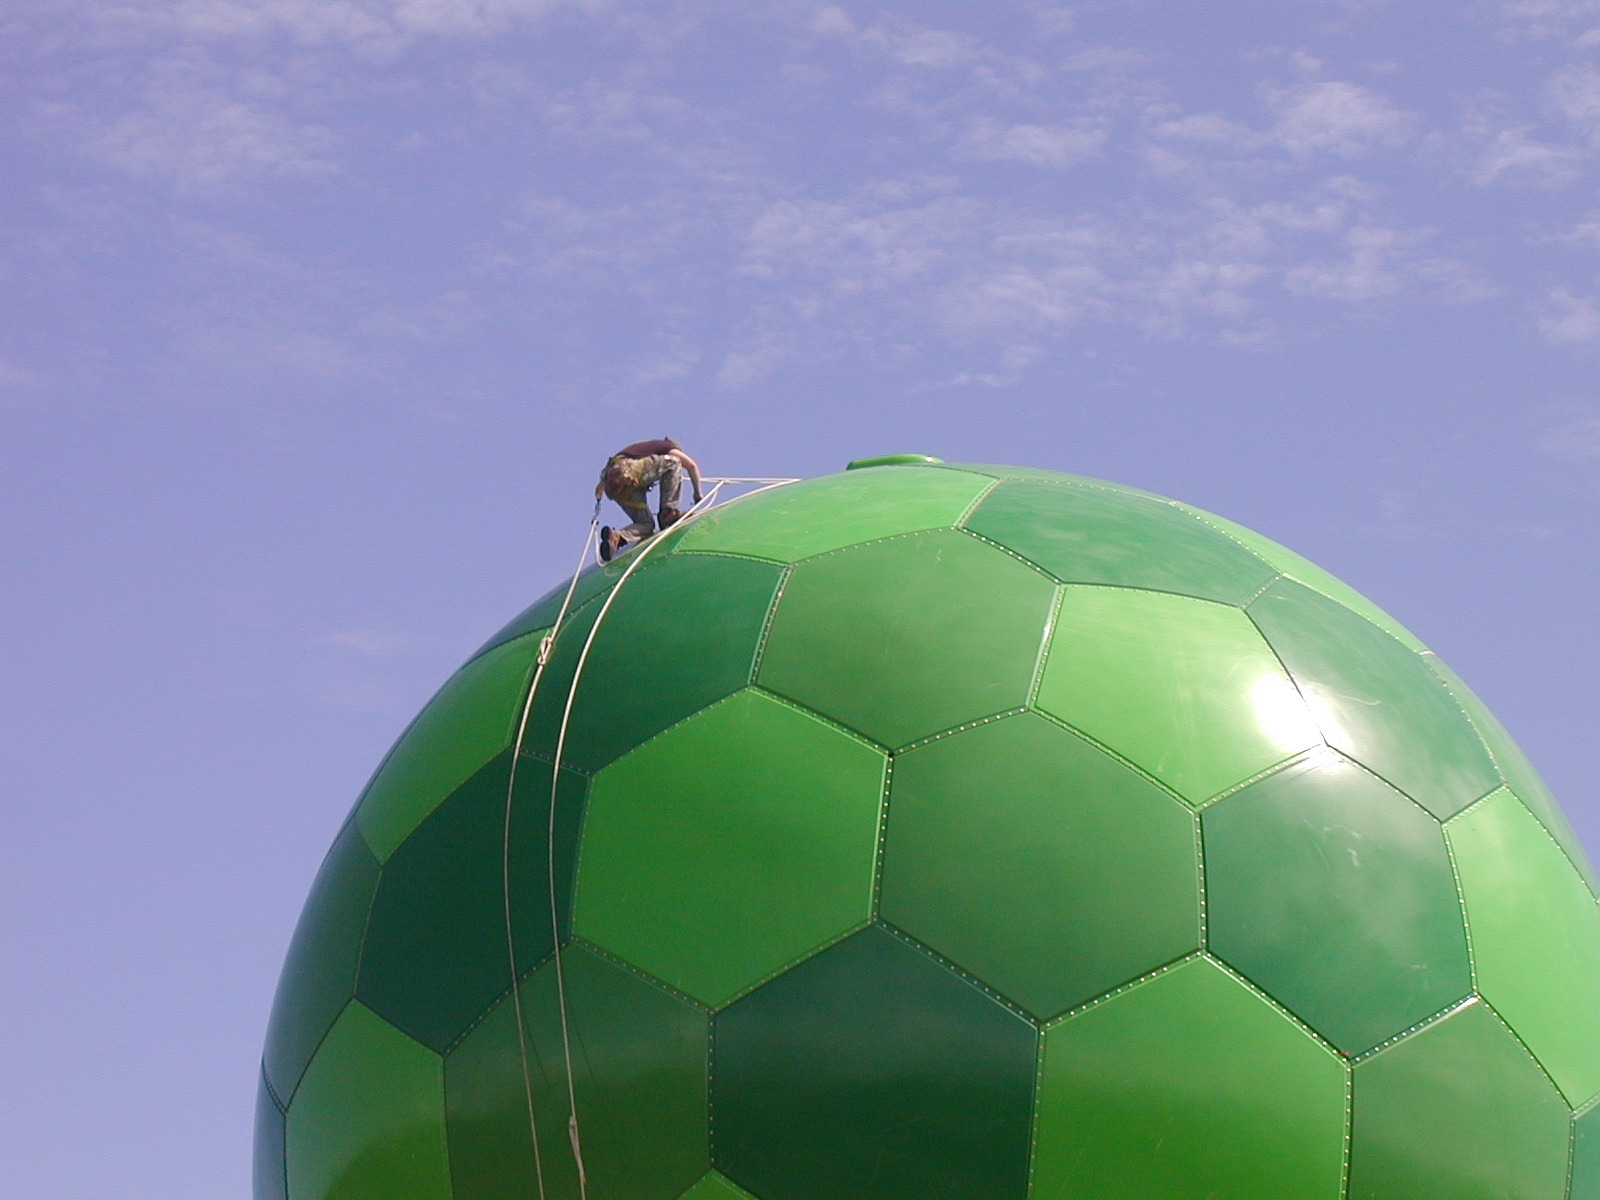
x: 945, y: 832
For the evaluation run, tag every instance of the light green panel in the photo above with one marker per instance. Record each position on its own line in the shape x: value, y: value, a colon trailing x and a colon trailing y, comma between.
x: 1184, y: 688
x: 715, y: 1187
x: 814, y: 516
x: 1186, y: 1087
x: 730, y: 845
x: 1303, y: 570
x: 1535, y: 932
x: 473, y: 718
x: 368, y: 1120
x: 1457, y: 1112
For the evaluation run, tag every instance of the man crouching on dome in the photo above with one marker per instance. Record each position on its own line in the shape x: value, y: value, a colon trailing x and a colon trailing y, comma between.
x: 629, y: 475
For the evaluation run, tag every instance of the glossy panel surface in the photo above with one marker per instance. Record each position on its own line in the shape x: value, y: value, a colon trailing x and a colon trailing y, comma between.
x: 1303, y: 570
x: 319, y: 974
x: 730, y: 846
x: 871, y: 1072
x: 1535, y: 938
x: 1037, y: 862
x: 1519, y: 774
x: 1376, y: 700
x: 436, y: 953
x: 644, y: 674
x: 540, y: 616
x: 905, y: 638
x: 1185, y: 689
x: 1586, y: 1155
x: 798, y: 520
x: 472, y: 719
x: 639, y: 1066
x: 1095, y: 535
x: 1186, y: 1087
x: 1333, y: 893
x: 1457, y: 1112
x: 268, y: 1180
x: 368, y: 1120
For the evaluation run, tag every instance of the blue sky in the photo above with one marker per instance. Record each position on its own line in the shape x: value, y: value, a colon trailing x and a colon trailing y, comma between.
x: 321, y: 315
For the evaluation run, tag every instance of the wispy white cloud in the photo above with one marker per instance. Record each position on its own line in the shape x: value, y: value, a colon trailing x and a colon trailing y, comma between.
x: 1337, y: 118
x: 1569, y: 318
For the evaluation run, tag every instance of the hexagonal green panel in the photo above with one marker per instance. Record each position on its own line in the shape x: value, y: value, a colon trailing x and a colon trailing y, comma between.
x: 1303, y: 570
x: 1457, y: 1112
x: 1586, y: 1155
x: 905, y: 638
x: 593, y: 581
x: 643, y: 674
x: 1535, y: 938
x: 1333, y: 893
x: 871, y: 1072
x: 1517, y: 772
x: 798, y: 520
x: 1185, y: 689
x: 368, y: 1120
x: 1188, y: 1086
x: 319, y: 973
x: 268, y: 1178
x: 435, y: 955
x: 471, y: 719
x: 1100, y: 535
x: 1037, y: 862
x: 1376, y: 700
x: 639, y: 1063
x: 715, y: 1186
x: 730, y: 845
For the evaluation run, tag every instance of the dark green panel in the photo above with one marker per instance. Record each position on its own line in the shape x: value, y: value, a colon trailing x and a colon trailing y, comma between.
x: 435, y: 954
x: 1457, y: 1112
x: 730, y: 846
x: 1095, y: 535
x: 368, y: 1120
x: 319, y: 974
x: 1039, y: 863
x: 1187, y: 1087
x: 1519, y: 774
x: 1586, y: 1155
x: 639, y: 1060
x: 268, y: 1176
x: 541, y: 614
x: 871, y: 1072
x: 1334, y: 893
x: 680, y: 635
x: 1376, y: 700
x: 908, y: 637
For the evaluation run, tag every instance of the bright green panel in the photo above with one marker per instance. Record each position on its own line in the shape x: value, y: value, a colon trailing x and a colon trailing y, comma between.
x: 639, y: 1063
x: 715, y: 1186
x: 871, y: 1072
x: 1183, y: 688
x: 368, y: 1120
x: 539, y: 616
x: 435, y: 954
x: 909, y: 637
x: 680, y: 635
x: 1303, y: 570
x: 730, y: 845
x: 789, y: 523
x: 1097, y: 535
x: 1586, y: 1155
x: 1333, y: 893
x: 319, y: 973
x: 473, y: 718
x: 1535, y: 938
x: 267, y: 1177
x: 1186, y: 1087
x: 1046, y: 868
x: 1376, y: 700
x: 1519, y: 774
x: 1044, y: 474
x: 1457, y: 1112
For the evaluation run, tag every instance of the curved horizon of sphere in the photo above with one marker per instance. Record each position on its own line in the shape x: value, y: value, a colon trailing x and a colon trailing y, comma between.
x: 947, y: 831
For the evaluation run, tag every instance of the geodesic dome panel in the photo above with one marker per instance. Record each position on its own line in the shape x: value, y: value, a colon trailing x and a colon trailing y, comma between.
x: 929, y: 831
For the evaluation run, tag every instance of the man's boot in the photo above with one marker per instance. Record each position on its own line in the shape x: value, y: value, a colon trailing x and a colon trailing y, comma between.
x: 668, y: 516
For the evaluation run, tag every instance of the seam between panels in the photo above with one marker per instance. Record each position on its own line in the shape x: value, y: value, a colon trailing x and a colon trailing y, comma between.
x: 880, y: 846
x: 810, y: 952
x: 1416, y: 1027
x: 1110, y: 994
x: 1010, y: 553
x: 1204, y: 913
x: 806, y: 710
x: 1132, y: 766
x: 1283, y: 1009
x: 1265, y: 587
x: 966, y: 513
x: 1461, y: 907
x: 989, y: 719
x: 711, y: 1092
x: 1544, y: 829
x: 1527, y: 1049
x: 956, y: 969
x: 1349, y: 1127
x: 640, y: 973
x: 1283, y: 764
x: 1284, y: 667
x: 1046, y: 642
x: 877, y: 541
x: 767, y: 620
x: 317, y: 1049
x: 281, y: 1104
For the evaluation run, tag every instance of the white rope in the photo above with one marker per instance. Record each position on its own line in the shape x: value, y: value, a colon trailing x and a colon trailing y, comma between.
x: 573, y: 1132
